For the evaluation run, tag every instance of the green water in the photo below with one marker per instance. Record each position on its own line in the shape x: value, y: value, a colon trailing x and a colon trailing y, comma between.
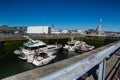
x: 10, y: 64
x: 9, y: 67
x: 13, y: 66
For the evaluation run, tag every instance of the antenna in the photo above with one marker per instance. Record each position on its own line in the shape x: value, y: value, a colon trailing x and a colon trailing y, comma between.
x: 52, y: 25
x: 27, y: 37
x: 100, y: 27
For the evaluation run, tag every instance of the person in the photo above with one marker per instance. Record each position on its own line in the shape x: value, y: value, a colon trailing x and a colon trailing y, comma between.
x: 36, y: 54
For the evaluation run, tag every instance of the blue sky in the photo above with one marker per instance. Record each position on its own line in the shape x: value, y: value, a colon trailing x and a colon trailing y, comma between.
x: 64, y: 14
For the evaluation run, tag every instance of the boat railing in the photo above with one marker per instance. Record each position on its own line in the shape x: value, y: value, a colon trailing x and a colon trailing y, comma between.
x: 27, y: 37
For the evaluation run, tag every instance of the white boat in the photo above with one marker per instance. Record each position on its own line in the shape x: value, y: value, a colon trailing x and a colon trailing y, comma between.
x: 75, y: 45
x: 43, y: 59
x: 34, y: 48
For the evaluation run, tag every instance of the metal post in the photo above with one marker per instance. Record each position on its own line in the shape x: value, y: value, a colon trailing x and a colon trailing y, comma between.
x: 102, y: 65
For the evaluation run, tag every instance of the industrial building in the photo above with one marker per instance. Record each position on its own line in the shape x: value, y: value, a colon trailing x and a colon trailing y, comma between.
x: 39, y: 30
x: 55, y: 31
x: 5, y: 29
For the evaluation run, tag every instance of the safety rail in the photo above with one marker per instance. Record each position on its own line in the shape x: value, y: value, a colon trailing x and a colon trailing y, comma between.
x: 76, y: 70
x: 74, y: 67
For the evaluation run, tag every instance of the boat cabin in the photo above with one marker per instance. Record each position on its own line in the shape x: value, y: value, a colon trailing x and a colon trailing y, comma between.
x: 34, y: 45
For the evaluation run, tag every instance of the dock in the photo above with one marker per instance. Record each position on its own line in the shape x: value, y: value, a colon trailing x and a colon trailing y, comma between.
x: 13, y: 37
x: 62, y: 69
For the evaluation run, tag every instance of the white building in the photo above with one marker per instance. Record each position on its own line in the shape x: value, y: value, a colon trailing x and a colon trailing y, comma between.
x: 39, y: 29
x: 55, y: 31
x: 81, y: 31
x: 65, y: 31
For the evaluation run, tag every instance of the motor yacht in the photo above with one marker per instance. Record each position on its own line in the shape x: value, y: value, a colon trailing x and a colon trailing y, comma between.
x: 34, y: 48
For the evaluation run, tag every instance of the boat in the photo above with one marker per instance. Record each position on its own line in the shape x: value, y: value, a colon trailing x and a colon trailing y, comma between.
x: 75, y: 45
x: 35, y: 48
x: 43, y: 59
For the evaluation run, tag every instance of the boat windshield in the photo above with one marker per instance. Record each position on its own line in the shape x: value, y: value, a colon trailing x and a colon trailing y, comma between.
x: 26, y: 47
x: 37, y: 47
x: 71, y: 44
x: 34, y: 48
x: 44, y: 55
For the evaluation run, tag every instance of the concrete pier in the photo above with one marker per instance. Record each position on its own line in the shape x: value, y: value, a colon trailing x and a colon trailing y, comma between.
x: 13, y: 37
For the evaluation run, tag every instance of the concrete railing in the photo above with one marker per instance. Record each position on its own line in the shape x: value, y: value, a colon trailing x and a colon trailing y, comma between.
x: 10, y: 37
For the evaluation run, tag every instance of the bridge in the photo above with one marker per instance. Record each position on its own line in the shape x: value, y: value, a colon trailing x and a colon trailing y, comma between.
x: 106, y: 58
x: 13, y: 37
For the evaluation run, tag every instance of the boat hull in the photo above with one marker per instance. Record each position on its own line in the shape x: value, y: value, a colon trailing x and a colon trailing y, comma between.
x: 43, y: 61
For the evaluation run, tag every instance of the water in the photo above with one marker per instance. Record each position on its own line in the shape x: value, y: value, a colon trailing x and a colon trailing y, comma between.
x: 112, y: 37
x: 9, y: 67
x: 13, y: 66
